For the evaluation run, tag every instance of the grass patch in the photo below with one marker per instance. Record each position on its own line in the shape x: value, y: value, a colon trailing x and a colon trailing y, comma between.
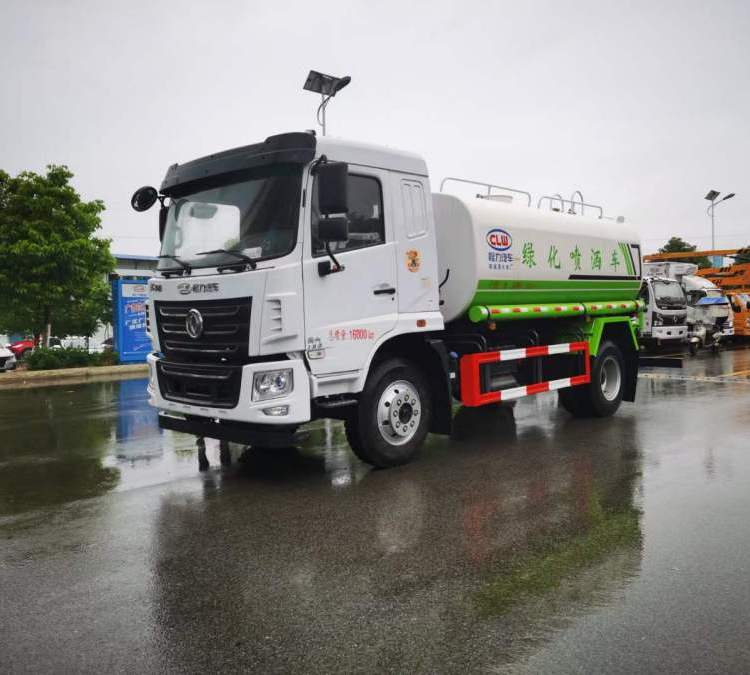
x: 543, y: 568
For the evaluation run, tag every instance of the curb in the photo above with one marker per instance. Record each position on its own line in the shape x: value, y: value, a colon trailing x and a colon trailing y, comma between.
x: 26, y: 378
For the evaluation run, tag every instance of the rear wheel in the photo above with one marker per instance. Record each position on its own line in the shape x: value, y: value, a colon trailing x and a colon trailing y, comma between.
x: 393, y: 416
x: 603, y: 395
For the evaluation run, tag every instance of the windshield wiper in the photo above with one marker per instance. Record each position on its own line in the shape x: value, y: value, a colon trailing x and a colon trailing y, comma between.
x: 240, y: 256
x: 181, y: 263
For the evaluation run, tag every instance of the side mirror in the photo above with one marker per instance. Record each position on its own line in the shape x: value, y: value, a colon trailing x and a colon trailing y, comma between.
x: 144, y: 198
x: 333, y: 229
x: 333, y: 193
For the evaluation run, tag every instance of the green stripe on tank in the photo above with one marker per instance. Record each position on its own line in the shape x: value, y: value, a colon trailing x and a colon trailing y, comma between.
x: 566, y: 284
x: 625, y: 248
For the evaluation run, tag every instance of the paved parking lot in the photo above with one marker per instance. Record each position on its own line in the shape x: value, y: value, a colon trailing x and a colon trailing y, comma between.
x: 527, y: 542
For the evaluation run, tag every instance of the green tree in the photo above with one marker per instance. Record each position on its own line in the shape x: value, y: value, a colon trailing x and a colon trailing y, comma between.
x: 679, y: 245
x: 53, y: 270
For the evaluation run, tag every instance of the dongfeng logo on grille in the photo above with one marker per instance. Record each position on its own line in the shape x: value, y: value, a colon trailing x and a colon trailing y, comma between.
x: 500, y: 240
x: 186, y: 288
x: 194, y: 324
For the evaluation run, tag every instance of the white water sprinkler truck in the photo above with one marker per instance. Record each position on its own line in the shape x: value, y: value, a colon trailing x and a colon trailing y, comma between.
x: 306, y: 277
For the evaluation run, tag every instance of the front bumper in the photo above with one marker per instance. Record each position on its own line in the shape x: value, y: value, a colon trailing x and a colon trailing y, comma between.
x: 665, y: 333
x: 246, y: 410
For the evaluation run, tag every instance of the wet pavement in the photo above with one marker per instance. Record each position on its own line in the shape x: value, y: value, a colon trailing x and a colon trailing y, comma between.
x: 528, y: 542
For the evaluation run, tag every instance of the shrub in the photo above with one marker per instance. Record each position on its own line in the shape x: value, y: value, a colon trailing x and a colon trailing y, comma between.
x: 53, y: 359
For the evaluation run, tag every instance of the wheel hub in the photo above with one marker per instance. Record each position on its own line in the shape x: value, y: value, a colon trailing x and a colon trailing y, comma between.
x: 399, y: 411
x: 611, y: 378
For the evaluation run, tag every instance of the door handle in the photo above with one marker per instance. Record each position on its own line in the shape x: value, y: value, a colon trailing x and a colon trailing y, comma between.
x: 389, y: 290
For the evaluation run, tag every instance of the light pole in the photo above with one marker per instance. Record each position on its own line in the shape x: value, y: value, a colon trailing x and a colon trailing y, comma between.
x: 327, y: 86
x: 711, y: 196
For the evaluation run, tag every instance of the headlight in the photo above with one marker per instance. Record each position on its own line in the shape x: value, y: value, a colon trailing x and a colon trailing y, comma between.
x: 272, y: 384
x: 658, y: 321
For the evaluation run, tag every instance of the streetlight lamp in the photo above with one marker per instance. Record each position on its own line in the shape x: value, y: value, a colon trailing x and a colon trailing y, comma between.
x: 711, y: 196
x: 327, y: 86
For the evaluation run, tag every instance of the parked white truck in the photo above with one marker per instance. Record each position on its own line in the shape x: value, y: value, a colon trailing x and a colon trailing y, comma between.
x: 709, y: 314
x: 307, y: 277
x: 665, y: 314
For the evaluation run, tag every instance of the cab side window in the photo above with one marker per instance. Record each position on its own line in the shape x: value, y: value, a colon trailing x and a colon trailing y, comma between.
x: 366, y: 223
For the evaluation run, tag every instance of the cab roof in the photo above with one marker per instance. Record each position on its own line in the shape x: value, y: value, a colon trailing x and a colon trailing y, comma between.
x: 290, y: 148
x: 367, y: 154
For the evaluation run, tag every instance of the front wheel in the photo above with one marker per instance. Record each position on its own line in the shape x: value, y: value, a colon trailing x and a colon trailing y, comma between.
x: 603, y: 395
x: 393, y: 416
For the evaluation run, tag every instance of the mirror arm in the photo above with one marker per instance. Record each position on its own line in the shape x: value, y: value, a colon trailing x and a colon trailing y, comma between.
x: 321, y: 160
x: 336, y: 266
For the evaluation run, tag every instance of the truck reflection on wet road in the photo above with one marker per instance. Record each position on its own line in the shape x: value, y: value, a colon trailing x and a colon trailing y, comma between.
x: 527, y: 541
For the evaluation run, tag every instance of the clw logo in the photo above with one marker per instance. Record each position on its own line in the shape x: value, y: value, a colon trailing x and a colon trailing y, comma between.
x: 499, y: 239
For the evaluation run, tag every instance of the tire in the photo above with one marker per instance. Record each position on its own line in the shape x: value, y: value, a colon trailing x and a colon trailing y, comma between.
x: 602, y: 397
x: 26, y: 353
x: 393, y: 416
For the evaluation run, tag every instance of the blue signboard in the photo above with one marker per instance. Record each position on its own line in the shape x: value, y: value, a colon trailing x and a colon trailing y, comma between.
x: 129, y: 300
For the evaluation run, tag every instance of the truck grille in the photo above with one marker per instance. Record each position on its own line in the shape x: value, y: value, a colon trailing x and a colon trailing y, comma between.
x: 213, y: 386
x: 224, y: 338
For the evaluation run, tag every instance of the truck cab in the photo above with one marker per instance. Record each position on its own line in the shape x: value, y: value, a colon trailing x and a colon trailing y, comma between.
x: 740, y: 303
x: 254, y: 317
x: 710, y: 317
x: 665, y: 316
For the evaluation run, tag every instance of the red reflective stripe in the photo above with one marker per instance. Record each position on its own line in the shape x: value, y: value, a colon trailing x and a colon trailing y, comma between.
x: 542, y: 350
x: 537, y: 388
x: 537, y: 309
x: 579, y: 379
x: 516, y: 309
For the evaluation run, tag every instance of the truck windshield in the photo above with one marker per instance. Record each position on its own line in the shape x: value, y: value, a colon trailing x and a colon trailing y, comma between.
x: 256, y: 217
x: 668, y: 295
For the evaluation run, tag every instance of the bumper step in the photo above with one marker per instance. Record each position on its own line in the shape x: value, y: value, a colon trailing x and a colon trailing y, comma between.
x: 235, y: 432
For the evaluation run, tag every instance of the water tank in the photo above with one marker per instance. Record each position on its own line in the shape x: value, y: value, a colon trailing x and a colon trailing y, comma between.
x: 497, y: 253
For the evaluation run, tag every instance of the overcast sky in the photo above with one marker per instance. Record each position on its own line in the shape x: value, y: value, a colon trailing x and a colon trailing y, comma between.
x: 644, y: 106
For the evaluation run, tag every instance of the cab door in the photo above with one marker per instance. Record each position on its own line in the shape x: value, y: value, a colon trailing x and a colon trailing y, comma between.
x: 349, y: 311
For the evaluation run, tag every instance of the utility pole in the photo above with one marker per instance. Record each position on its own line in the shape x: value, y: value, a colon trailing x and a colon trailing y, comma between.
x: 711, y: 196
